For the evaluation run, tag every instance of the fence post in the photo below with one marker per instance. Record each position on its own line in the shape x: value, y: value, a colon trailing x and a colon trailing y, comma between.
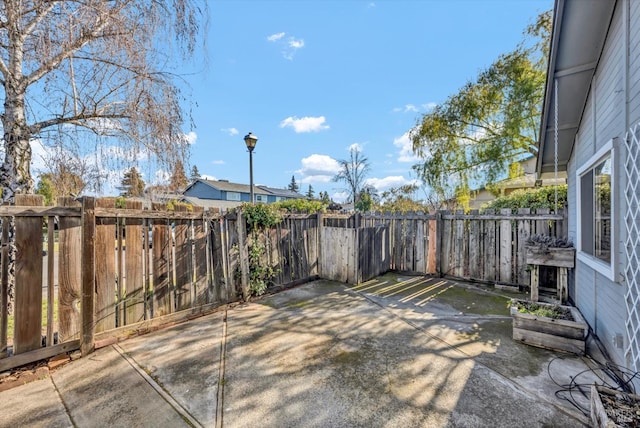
x: 87, y: 344
x: 439, y: 226
x: 320, y: 223
x: 244, y: 255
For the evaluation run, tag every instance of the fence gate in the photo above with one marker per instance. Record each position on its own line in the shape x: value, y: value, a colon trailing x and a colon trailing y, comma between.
x: 354, y: 255
x: 632, y: 243
x: 338, y: 254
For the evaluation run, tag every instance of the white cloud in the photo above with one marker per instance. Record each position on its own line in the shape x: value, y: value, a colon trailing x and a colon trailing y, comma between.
x: 382, y: 184
x: 406, y: 148
x: 275, y: 37
x: 230, y: 131
x: 218, y: 162
x: 190, y: 138
x: 412, y: 108
x: 208, y: 177
x: 340, y: 197
x: 318, y: 168
x: 305, y: 124
x: 290, y: 45
x: 355, y: 146
x: 296, y: 43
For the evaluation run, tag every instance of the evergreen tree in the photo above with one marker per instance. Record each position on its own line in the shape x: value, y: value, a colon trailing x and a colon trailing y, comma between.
x: 178, y: 179
x: 310, y: 193
x: 293, y: 186
x: 195, y: 174
x: 132, y: 183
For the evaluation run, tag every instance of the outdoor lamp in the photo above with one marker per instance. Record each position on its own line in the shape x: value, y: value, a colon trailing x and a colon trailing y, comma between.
x: 250, y: 140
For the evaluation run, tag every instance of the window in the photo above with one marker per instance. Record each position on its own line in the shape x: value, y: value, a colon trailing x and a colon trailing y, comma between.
x: 261, y: 198
x: 595, y: 228
x: 233, y: 196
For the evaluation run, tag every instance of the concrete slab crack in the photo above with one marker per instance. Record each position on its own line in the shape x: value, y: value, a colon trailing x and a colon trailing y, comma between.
x: 186, y: 416
x: 221, y: 381
x: 64, y: 404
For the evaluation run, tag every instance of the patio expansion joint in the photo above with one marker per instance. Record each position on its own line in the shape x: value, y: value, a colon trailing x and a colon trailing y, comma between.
x: 64, y: 403
x: 512, y: 383
x: 158, y: 388
x: 221, y: 374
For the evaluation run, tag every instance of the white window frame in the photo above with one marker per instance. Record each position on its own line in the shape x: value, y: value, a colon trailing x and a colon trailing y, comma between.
x: 261, y: 198
x: 599, y: 265
x: 233, y: 196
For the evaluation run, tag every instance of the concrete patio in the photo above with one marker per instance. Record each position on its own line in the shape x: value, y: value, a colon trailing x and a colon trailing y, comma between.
x: 398, y: 351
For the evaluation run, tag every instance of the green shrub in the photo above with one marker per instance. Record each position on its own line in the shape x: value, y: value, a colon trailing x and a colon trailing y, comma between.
x: 261, y: 216
x: 301, y: 205
x: 542, y: 197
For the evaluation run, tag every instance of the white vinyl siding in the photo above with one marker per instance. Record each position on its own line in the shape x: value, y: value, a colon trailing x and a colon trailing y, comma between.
x: 634, y: 63
x: 598, y: 292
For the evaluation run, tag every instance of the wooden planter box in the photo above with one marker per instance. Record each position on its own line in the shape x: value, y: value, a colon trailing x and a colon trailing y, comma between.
x: 555, y: 334
x: 599, y: 416
x: 560, y: 258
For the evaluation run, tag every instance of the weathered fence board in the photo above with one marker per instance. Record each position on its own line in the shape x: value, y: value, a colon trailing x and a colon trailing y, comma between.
x: 203, y: 293
x: 183, y: 262
x: 162, y: 246
x: 506, y: 244
x: 490, y: 250
x: 105, y: 268
x: 523, y: 233
x: 28, y: 278
x: 69, y: 276
x: 475, y: 247
x: 134, y: 285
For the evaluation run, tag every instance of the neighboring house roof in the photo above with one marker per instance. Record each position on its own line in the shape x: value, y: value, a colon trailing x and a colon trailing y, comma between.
x: 579, y: 31
x: 227, y: 186
x: 284, y: 193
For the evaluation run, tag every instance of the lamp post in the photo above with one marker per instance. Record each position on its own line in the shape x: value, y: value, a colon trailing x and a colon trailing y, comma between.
x: 250, y: 140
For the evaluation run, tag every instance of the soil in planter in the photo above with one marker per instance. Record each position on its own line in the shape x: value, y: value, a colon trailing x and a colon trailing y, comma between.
x: 555, y: 312
x: 622, y: 410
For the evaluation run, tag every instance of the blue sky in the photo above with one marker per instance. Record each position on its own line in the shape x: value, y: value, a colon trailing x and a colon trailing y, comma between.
x: 313, y: 77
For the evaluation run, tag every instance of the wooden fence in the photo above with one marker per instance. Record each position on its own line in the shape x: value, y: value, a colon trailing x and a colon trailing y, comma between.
x: 488, y: 247
x: 111, y: 272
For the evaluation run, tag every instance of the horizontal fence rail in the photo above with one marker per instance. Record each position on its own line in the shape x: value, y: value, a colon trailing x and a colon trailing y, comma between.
x: 87, y: 272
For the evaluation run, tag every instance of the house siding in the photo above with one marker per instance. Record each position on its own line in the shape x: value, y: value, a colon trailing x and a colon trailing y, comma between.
x: 601, y: 300
x: 572, y: 226
x: 203, y: 191
x: 634, y: 63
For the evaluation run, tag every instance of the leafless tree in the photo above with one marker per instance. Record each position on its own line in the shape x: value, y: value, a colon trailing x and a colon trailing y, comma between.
x: 353, y: 172
x: 93, y: 71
